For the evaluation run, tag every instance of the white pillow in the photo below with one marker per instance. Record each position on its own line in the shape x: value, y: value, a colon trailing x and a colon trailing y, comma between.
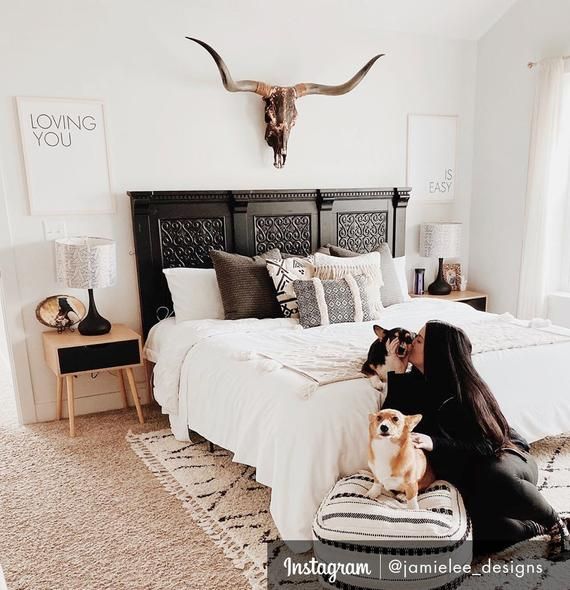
x: 400, y: 264
x: 370, y: 258
x: 333, y: 267
x: 195, y: 293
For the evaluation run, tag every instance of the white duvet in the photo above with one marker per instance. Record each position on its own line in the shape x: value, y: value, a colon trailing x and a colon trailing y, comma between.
x: 299, y: 444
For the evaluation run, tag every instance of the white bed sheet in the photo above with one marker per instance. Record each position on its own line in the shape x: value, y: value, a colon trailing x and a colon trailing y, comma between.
x: 300, y: 447
x: 158, y: 338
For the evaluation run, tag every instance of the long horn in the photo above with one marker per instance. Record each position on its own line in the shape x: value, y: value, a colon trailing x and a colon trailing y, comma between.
x: 304, y: 89
x: 227, y: 80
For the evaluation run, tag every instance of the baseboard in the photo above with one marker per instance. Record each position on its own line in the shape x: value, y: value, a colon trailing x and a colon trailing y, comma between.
x: 89, y: 404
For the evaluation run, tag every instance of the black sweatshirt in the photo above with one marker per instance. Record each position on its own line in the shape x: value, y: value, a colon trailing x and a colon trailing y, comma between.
x: 455, y: 441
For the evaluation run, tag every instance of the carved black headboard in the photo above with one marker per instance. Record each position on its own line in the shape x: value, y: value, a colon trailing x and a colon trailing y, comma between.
x: 179, y: 228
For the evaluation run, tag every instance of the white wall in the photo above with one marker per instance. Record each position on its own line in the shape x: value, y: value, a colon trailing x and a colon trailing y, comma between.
x: 17, y: 350
x: 3, y: 340
x: 529, y: 31
x: 172, y: 126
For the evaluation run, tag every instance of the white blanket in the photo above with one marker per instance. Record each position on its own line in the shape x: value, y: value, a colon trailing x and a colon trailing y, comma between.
x: 181, y: 340
x: 300, y: 447
x: 337, y: 353
x: 327, y: 354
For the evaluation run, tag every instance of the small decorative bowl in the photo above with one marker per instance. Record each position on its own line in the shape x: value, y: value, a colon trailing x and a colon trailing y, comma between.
x: 60, y: 311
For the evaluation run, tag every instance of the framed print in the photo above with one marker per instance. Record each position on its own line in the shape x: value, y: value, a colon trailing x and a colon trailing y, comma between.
x: 452, y: 274
x: 431, y: 166
x: 65, y: 155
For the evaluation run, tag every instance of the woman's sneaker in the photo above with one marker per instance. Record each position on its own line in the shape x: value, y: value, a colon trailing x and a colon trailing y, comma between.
x: 561, y: 541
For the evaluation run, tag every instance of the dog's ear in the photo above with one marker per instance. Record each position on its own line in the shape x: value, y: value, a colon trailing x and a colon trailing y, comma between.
x: 413, y: 421
x: 379, y: 331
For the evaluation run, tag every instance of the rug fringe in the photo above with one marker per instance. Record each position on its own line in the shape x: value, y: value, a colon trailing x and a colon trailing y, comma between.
x: 255, y: 575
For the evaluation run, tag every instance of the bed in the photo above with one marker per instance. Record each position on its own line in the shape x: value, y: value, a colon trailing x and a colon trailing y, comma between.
x: 239, y: 383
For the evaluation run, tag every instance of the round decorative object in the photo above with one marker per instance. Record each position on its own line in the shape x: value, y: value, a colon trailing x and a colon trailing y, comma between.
x: 60, y: 311
x: 384, y: 532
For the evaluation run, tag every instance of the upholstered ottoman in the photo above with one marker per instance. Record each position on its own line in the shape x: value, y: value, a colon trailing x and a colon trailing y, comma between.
x: 396, y: 547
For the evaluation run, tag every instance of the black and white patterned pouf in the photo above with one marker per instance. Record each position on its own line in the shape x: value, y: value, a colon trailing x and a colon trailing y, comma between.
x: 382, y: 544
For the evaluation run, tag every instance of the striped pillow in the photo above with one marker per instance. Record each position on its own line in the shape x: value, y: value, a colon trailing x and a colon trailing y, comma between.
x: 323, y: 302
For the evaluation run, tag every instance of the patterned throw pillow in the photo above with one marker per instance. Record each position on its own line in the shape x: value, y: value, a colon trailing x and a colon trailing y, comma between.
x: 331, y: 267
x: 391, y: 291
x: 323, y: 302
x: 283, y: 273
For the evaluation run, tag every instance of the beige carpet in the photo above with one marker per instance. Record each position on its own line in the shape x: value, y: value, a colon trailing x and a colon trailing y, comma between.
x: 223, y: 497
x: 86, y: 514
x: 230, y: 506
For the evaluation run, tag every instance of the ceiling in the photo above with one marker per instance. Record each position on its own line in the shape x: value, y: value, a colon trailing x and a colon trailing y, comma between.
x: 455, y: 19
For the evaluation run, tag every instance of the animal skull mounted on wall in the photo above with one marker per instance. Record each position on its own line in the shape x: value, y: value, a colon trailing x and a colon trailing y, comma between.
x: 280, y: 111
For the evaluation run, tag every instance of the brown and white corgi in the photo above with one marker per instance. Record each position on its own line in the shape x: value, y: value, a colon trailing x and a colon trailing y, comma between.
x: 396, y: 464
x: 375, y: 366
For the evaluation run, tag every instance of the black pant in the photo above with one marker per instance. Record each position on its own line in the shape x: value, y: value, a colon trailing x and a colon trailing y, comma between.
x: 504, y: 503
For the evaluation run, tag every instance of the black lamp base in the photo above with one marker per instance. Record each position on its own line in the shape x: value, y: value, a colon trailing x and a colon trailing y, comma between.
x: 93, y: 324
x: 440, y: 286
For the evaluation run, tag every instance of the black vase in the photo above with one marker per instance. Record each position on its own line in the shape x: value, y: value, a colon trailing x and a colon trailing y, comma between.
x: 440, y: 286
x: 93, y: 324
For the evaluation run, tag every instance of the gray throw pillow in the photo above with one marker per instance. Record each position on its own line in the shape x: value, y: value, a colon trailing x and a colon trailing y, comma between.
x: 245, y: 285
x: 322, y: 250
x: 391, y: 290
x: 323, y: 302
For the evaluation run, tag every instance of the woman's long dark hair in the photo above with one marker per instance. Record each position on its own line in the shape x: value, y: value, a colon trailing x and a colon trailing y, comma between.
x: 449, y: 372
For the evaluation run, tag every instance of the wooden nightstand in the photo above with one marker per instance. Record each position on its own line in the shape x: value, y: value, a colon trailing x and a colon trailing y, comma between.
x: 473, y: 298
x: 70, y: 354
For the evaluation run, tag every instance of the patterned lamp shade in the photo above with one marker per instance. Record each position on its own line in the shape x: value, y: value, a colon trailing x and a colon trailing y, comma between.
x: 440, y: 240
x: 86, y: 263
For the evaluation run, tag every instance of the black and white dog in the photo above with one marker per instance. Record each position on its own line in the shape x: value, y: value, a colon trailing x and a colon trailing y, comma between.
x: 375, y: 366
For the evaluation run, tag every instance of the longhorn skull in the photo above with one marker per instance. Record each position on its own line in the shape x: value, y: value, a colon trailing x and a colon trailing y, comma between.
x: 280, y: 111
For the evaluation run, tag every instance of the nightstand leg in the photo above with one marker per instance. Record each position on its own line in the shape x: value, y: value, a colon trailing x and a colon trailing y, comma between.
x: 123, y: 389
x: 134, y: 393
x: 148, y: 366
x: 58, y: 396
x: 70, y: 404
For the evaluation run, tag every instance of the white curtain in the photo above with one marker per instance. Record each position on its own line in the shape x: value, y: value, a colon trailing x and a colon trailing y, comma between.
x: 564, y: 228
x: 546, y: 190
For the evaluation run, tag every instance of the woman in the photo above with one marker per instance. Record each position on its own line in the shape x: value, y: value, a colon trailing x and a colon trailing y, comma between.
x: 468, y: 440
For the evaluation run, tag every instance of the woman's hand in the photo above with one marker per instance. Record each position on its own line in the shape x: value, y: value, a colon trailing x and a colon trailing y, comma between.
x: 422, y: 441
x: 393, y: 361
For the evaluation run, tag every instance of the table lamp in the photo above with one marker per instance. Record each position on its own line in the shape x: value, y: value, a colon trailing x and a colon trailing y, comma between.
x: 87, y: 263
x: 440, y: 240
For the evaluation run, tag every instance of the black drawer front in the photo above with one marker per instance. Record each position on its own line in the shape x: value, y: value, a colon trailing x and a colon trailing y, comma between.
x: 98, y: 356
x: 479, y: 303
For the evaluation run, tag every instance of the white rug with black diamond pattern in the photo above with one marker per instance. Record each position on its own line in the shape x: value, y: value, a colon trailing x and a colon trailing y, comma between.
x: 233, y: 509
